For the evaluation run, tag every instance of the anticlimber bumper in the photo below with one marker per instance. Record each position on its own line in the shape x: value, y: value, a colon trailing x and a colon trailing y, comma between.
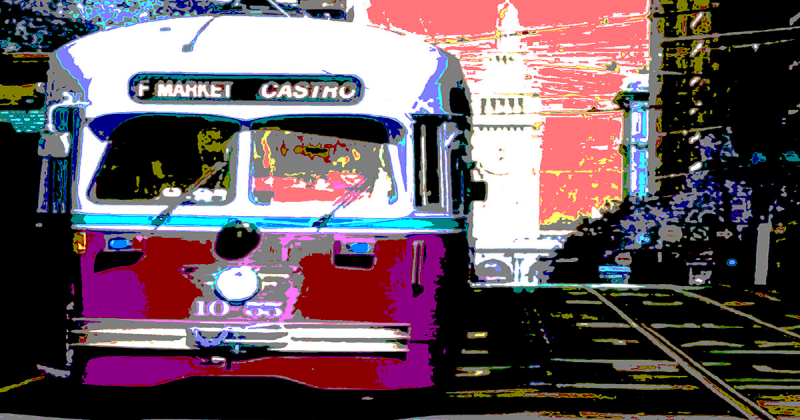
x: 346, y: 355
x: 288, y: 337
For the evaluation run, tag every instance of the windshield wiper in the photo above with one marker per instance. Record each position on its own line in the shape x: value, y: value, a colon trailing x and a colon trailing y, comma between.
x: 182, y: 199
x: 348, y: 198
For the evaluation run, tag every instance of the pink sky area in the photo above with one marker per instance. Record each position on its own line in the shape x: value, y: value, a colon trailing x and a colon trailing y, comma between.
x: 577, y: 55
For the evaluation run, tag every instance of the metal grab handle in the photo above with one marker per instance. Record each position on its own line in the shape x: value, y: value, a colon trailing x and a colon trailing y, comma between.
x: 417, y: 259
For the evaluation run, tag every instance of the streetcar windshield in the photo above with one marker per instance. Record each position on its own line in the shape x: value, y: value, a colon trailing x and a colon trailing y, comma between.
x: 153, y: 158
x: 302, y: 167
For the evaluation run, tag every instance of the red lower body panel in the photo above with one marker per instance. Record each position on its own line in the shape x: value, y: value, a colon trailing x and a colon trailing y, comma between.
x: 322, y: 310
x: 325, y: 372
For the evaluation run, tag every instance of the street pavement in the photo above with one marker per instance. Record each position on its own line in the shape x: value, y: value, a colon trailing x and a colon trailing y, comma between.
x: 622, y: 352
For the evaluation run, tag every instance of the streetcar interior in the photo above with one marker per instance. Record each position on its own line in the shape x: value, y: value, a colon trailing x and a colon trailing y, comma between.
x: 155, y: 156
x: 336, y: 161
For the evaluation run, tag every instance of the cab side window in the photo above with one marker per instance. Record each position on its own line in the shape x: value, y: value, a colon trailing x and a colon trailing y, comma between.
x: 427, y: 170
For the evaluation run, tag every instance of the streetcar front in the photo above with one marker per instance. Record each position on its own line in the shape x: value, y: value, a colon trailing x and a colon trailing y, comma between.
x: 241, y: 215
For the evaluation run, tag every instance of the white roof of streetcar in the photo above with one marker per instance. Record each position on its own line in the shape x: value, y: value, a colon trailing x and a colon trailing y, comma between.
x: 395, y: 70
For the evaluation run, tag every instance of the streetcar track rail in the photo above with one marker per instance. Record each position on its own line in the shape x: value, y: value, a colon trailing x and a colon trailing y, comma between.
x: 740, y: 313
x: 719, y: 387
x: 761, y: 389
x: 611, y: 369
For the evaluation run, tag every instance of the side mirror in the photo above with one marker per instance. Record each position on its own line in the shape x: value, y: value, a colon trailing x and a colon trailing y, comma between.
x: 55, y: 145
x: 476, y: 191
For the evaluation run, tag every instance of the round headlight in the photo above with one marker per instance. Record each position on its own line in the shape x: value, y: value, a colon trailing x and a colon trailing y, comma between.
x: 237, y: 283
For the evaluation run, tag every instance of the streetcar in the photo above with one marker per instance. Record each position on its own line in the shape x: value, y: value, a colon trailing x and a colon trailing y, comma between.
x: 255, y: 196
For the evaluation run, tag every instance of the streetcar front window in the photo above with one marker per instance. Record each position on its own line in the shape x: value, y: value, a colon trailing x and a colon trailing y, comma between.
x: 157, y: 157
x: 299, y: 167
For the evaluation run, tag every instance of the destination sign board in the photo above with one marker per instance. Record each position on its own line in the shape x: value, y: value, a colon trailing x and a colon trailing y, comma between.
x: 246, y: 89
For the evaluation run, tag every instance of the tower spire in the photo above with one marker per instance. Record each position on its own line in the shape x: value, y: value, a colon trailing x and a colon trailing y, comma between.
x: 508, y: 17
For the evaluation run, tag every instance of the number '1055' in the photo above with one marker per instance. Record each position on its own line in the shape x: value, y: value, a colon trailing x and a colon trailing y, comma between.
x: 253, y: 309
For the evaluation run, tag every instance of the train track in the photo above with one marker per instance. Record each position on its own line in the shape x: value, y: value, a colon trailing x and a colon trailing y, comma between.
x: 669, y: 351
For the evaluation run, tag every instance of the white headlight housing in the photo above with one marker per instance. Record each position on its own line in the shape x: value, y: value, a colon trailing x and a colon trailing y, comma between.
x: 236, y: 284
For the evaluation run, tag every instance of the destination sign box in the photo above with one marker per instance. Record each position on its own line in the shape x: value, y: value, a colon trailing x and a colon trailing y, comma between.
x: 247, y: 89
